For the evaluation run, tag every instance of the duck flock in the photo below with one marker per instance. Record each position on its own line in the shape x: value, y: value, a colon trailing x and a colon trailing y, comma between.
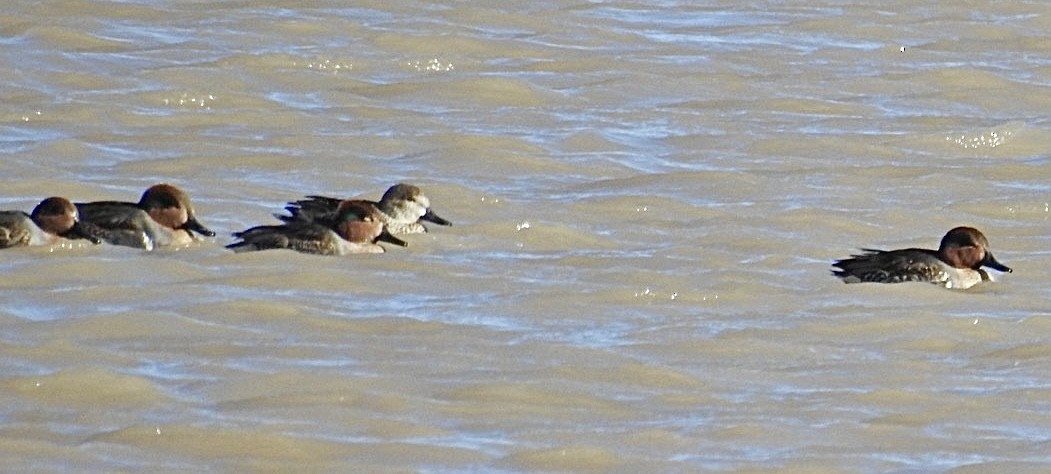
x: 164, y: 216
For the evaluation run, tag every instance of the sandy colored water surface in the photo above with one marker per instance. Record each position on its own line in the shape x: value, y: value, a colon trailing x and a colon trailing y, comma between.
x: 646, y: 202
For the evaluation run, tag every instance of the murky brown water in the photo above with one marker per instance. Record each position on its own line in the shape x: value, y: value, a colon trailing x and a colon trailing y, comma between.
x: 647, y: 198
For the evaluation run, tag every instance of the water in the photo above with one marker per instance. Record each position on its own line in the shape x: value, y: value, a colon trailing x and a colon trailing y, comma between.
x: 646, y: 197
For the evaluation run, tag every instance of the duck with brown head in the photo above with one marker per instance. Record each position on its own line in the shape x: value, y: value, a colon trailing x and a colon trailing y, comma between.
x: 164, y: 216
x: 355, y: 229
x: 956, y: 264
x: 51, y: 220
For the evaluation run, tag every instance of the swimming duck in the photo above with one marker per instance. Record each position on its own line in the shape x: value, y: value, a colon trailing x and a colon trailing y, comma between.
x: 164, y: 216
x: 51, y: 220
x: 956, y: 264
x: 401, y: 209
x: 356, y: 229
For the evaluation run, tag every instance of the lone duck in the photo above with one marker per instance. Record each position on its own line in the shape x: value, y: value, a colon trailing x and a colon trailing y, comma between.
x: 956, y: 264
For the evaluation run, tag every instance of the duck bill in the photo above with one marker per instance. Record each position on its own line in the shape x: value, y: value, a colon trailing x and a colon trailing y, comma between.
x: 192, y: 224
x: 390, y: 239
x: 991, y: 262
x: 430, y: 216
x: 79, y: 231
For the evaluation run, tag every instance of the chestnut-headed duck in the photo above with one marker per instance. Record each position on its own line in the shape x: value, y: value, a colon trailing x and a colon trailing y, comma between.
x: 355, y: 229
x: 956, y: 264
x: 164, y: 216
x: 54, y: 219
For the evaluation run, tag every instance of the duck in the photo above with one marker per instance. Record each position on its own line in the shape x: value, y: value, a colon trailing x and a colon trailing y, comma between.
x: 400, y: 209
x: 164, y: 216
x: 356, y: 229
x: 957, y: 264
x: 52, y: 220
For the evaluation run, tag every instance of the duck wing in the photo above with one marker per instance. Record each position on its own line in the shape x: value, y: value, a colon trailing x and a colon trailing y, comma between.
x: 890, y: 266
